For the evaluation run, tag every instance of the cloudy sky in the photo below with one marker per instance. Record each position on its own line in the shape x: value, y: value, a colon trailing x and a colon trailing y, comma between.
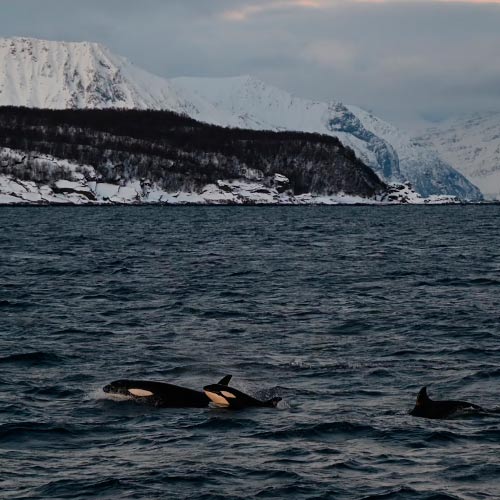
x: 405, y: 60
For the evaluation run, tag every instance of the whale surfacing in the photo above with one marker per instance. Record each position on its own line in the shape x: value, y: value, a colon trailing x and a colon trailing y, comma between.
x: 427, y: 408
x: 224, y: 396
x: 160, y: 394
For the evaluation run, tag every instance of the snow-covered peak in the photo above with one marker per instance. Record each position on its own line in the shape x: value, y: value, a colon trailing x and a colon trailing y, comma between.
x: 59, y: 75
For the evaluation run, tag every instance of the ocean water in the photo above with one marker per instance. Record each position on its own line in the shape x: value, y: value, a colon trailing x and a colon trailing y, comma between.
x: 345, y: 312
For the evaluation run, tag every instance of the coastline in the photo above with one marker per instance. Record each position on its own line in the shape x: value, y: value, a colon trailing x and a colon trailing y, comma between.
x: 242, y: 192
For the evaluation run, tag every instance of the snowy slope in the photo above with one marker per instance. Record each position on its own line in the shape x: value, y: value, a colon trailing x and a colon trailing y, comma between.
x: 257, y: 105
x: 60, y: 75
x: 393, y: 155
x: 472, y: 145
x: 419, y: 162
x: 38, y: 73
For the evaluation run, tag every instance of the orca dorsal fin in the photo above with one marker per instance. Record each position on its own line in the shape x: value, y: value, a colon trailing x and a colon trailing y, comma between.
x: 422, y: 397
x: 225, y: 380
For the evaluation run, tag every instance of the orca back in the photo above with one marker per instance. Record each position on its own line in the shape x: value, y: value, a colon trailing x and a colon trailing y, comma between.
x: 229, y: 397
x: 159, y: 394
x: 427, y: 408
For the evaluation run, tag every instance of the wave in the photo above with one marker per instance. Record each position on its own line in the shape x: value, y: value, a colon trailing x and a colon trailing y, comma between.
x: 323, y: 430
x: 32, y: 358
x: 442, y: 437
x: 491, y: 435
x: 54, y: 391
x: 53, y: 432
x: 22, y: 429
x: 406, y: 493
x: 84, y: 332
x: 66, y: 488
x: 481, y: 375
x: 458, y: 282
x: 9, y: 304
x: 223, y: 424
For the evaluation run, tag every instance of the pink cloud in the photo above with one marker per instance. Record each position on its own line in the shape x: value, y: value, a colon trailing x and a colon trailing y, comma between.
x: 247, y: 11
x: 255, y: 8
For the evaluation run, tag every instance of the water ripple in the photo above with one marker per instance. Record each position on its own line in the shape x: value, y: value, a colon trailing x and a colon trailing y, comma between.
x: 345, y: 312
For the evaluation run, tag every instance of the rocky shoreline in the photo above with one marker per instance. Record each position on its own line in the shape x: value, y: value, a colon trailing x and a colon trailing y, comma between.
x: 270, y: 191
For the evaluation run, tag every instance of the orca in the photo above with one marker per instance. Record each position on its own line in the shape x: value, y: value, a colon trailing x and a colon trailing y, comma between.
x: 224, y: 396
x: 159, y: 394
x: 427, y: 408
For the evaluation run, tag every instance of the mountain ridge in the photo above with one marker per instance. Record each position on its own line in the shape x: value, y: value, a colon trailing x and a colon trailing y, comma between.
x: 61, y: 75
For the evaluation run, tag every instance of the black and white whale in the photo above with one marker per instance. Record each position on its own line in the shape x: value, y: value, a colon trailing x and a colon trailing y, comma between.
x: 224, y: 396
x: 427, y: 408
x: 159, y: 394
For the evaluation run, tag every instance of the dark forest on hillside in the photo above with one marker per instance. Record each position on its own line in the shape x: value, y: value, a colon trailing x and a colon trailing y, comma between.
x: 178, y: 152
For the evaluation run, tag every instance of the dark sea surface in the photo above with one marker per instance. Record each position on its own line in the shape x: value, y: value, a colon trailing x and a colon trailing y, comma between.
x: 345, y: 312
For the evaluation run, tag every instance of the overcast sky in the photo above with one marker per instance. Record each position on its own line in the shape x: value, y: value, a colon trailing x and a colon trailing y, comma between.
x: 405, y: 60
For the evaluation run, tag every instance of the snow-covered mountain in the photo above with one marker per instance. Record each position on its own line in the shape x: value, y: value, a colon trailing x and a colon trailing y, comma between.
x: 390, y: 152
x: 419, y: 162
x: 472, y: 145
x: 37, y: 73
x: 61, y: 75
x: 257, y: 105
x: 44, y: 74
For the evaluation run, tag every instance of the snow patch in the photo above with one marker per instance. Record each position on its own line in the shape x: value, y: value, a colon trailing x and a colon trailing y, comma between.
x: 224, y: 192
